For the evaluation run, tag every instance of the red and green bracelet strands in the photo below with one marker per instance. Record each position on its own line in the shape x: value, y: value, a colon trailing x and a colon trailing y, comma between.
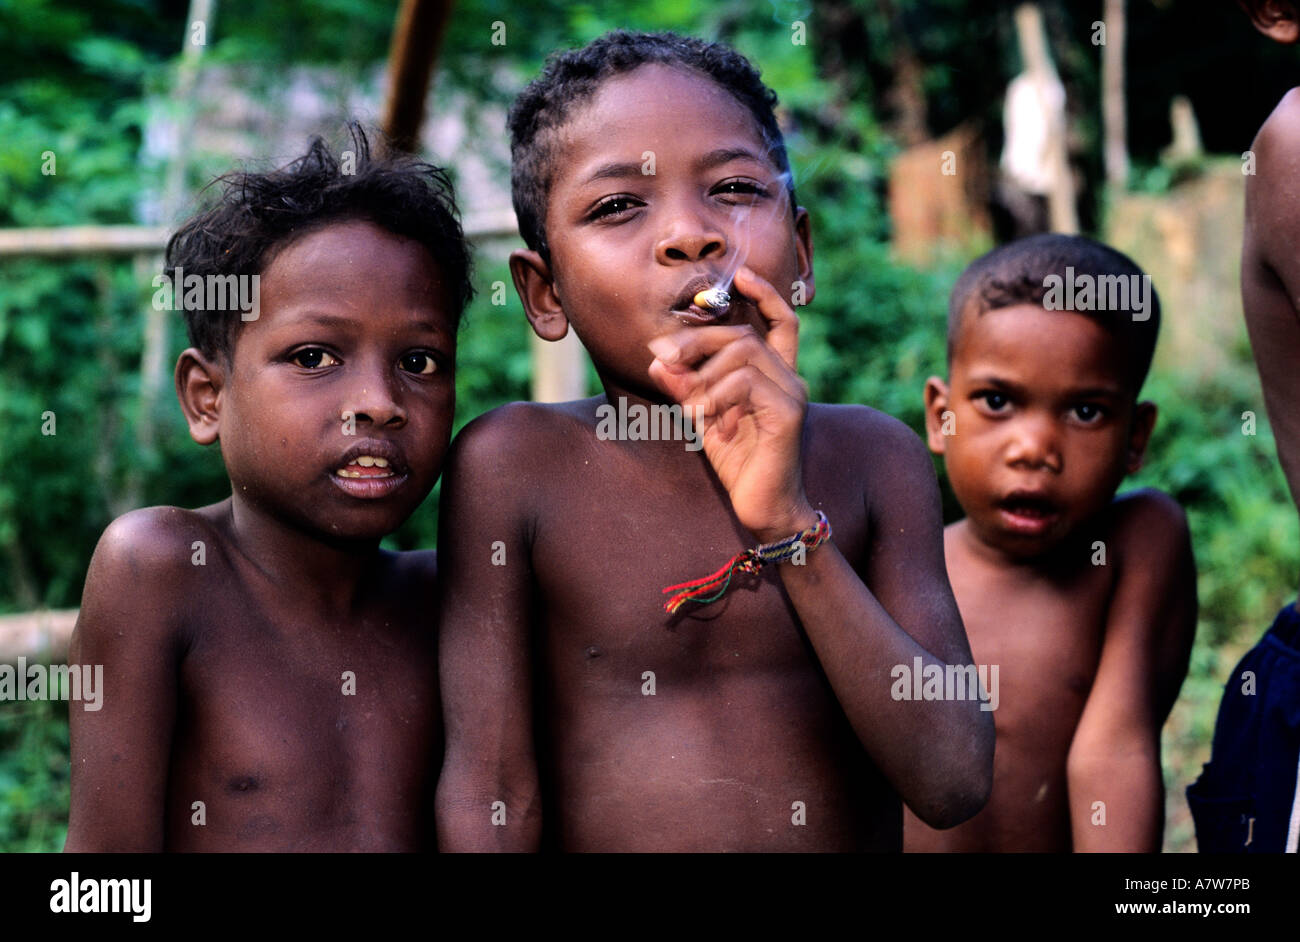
x: 711, y: 588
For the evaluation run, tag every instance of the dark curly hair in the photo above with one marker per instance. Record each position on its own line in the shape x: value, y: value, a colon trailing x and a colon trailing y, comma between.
x: 573, y: 76
x: 259, y: 214
x: 1017, y: 273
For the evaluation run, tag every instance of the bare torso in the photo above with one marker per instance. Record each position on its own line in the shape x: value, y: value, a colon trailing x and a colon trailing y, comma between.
x: 742, y: 737
x: 299, y: 727
x: 1044, y: 632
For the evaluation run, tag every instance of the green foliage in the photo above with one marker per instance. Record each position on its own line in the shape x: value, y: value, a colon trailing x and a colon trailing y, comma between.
x: 33, y: 775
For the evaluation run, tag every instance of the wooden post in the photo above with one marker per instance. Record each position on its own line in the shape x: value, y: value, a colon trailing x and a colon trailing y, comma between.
x: 414, y: 50
x: 559, y: 369
x: 1114, y: 113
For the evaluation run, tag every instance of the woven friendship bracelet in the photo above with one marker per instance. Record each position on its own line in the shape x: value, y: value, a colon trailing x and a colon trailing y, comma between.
x: 711, y: 588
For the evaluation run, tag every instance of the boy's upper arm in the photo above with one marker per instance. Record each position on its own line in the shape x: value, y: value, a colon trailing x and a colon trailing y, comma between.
x: 484, y: 638
x: 128, y: 626
x: 1150, y: 626
x: 1270, y: 275
x: 1273, y: 195
x: 905, y: 567
x: 1150, y: 623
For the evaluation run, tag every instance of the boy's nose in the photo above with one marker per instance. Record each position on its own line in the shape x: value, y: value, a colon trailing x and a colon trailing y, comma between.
x: 1034, y: 445
x: 373, y: 399
x: 691, y: 240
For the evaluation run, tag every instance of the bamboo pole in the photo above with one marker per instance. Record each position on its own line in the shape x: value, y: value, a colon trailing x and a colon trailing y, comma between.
x: 37, y: 634
x: 417, y: 36
x: 62, y: 241
x: 65, y: 241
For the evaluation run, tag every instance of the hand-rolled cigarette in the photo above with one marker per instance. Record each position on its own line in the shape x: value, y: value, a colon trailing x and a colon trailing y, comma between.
x: 713, y: 298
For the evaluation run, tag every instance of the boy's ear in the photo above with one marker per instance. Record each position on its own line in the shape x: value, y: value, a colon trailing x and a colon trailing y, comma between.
x: 804, y: 253
x: 1144, y: 420
x: 198, y: 387
x: 536, y: 287
x: 936, y: 404
x: 1276, y: 19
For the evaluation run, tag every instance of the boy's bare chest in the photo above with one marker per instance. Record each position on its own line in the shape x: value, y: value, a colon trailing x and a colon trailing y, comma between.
x: 604, y: 553
x: 1045, y: 639
x: 286, y: 720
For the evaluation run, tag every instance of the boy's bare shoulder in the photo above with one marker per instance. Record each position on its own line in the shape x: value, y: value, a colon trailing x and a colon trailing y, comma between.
x: 1272, y: 191
x: 144, y: 575
x: 862, y: 426
x: 154, y: 541
x: 1280, y: 132
x: 523, y: 429
x: 502, y: 452
x: 1147, y: 525
x: 871, y: 440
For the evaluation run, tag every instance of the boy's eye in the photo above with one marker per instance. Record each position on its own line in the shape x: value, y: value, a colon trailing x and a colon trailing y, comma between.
x: 421, y: 363
x: 993, y: 401
x: 613, y: 206
x: 1089, y: 412
x: 747, y: 188
x: 314, y: 358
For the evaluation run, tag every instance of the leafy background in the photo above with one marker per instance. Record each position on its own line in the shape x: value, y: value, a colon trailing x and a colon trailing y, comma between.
x: 74, y: 78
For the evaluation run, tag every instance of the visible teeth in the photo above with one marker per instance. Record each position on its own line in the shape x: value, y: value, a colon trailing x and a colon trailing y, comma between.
x: 346, y: 473
x: 364, y: 461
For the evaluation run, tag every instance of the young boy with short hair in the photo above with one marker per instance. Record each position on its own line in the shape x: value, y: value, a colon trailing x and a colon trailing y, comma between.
x: 1247, y: 799
x: 755, y: 712
x: 269, y: 671
x: 1083, y: 603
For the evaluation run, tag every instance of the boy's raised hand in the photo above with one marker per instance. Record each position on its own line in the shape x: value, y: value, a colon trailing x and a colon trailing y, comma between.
x: 748, y: 404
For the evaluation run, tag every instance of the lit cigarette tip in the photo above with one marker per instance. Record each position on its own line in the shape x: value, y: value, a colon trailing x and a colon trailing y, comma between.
x: 712, y: 298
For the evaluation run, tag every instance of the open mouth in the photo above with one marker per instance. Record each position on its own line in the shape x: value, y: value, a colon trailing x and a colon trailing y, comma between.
x: 366, y: 466
x: 1030, y: 514
x: 370, y: 469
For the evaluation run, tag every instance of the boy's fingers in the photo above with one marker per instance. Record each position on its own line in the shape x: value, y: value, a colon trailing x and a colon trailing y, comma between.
x: 782, y: 321
x: 677, y: 383
x: 750, y: 350
x: 683, y: 349
x: 722, y: 349
x: 746, y: 390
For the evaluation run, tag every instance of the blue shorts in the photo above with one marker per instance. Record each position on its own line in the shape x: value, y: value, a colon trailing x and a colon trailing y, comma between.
x: 1246, y: 800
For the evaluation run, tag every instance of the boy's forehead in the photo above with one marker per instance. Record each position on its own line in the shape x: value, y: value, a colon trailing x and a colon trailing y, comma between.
x: 670, y: 112
x: 348, y: 256
x: 354, y: 265
x: 1063, y: 347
